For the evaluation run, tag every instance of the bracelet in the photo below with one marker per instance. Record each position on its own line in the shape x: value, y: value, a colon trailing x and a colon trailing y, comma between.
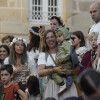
x: 49, y: 71
x: 16, y: 71
x: 54, y: 70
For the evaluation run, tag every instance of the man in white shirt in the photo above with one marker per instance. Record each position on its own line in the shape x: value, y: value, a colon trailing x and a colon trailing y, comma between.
x: 95, y: 15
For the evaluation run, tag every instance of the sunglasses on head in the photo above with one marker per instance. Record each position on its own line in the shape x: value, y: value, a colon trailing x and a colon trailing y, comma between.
x: 73, y: 38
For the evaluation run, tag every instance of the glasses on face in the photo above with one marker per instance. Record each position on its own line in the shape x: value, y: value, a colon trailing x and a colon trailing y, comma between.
x: 72, y: 38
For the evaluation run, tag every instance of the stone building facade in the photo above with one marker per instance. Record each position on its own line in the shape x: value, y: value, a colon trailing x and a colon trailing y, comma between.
x: 16, y: 16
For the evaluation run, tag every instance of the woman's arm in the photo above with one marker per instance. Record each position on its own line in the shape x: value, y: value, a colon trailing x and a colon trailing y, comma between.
x: 41, y: 34
x: 75, y: 70
x: 38, y: 97
x: 44, y: 72
x: 18, y: 69
x: 22, y: 94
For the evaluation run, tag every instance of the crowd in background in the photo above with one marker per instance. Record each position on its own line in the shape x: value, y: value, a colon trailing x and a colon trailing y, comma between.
x: 56, y: 64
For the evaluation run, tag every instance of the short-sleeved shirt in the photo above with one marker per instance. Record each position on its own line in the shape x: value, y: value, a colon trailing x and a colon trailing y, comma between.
x: 95, y: 28
x: 9, y: 91
x: 80, y: 51
x: 49, y: 62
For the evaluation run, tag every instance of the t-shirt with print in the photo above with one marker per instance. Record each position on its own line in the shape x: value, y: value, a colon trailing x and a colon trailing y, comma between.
x: 9, y: 91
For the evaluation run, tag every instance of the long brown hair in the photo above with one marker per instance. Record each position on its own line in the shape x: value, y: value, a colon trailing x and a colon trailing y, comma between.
x: 80, y: 35
x: 35, y: 39
x: 12, y: 57
x: 46, y: 48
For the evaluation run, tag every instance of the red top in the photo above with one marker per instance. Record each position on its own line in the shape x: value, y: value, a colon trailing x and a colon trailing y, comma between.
x: 10, y: 91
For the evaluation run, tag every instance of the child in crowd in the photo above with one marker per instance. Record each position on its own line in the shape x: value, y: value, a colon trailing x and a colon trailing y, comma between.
x: 63, y: 58
x: 90, y: 56
x: 33, y: 47
x: 10, y: 88
x: 78, y: 43
x: 32, y: 90
x: 6, y: 40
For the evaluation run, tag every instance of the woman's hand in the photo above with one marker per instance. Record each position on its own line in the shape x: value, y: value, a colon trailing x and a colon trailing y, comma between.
x: 19, y: 68
x: 38, y: 97
x: 60, y: 70
x: 41, y: 31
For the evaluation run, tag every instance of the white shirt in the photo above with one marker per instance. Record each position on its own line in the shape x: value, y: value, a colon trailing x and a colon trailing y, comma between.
x: 82, y: 50
x: 95, y: 28
x: 33, y: 54
x: 42, y: 60
x: 31, y: 65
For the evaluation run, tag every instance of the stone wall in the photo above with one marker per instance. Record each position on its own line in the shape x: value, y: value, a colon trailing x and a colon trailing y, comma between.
x: 14, y: 16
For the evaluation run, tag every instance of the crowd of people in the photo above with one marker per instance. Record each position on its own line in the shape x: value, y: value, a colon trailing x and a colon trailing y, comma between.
x: 56, y: 64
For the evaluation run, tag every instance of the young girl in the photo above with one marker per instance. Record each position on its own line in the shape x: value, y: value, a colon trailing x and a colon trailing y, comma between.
x: 33, y: 47
x: 6, y: 40
x: 32, y: 90
x: 78, y: 42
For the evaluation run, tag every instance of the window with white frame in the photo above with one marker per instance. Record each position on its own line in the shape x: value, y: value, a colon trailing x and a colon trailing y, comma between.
x: 40, y: 11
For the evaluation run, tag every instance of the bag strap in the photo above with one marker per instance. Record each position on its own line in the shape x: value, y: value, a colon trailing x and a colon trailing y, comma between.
x: 52, y: 57
x: 1, y: 88
x: 2, y: 94
x: 46, y: 56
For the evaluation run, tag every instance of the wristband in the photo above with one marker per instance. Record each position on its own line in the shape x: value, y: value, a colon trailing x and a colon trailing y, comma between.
x: 48, y: 72
x: 16, y: 71
x: 54, y: 70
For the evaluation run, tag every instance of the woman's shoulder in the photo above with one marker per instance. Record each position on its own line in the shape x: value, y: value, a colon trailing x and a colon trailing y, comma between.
x: 42, y: 54
x: 82, y: 50
x: 83, y: 47
x: 6, y: 61
x: 31, y: 52
x: 42, y: 58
